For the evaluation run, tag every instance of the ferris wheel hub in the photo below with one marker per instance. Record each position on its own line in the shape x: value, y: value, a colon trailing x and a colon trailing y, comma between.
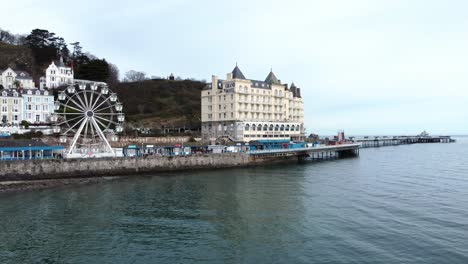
x: 89, y: 113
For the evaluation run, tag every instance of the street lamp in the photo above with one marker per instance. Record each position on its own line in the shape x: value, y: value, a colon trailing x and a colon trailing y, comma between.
x: 30, y: 155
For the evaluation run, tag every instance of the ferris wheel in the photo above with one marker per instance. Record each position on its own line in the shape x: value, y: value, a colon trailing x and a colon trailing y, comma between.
x: 89, y: 114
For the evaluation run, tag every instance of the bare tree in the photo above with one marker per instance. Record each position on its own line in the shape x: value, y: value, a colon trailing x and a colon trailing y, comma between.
x: 20, y: 39
x: 134, y: 76
x: 113, y: 75
x: 6, y: 36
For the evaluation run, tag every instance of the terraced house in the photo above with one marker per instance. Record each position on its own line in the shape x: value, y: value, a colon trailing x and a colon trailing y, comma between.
x: 245, y: 110
x: 38, y: 105
x: 11, y: 106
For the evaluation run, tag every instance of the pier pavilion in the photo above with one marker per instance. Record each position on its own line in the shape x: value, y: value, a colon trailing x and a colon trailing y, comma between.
x: 27, y: 150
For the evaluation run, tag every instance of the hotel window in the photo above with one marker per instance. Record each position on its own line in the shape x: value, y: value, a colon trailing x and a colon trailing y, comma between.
x: 4, y: 109
x: 29, y: 99
x: 15, y: 118
x: 4, y: 101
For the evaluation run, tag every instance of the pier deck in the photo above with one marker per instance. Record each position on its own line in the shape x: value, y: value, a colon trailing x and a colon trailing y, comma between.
x: 321, y: 152
x: 372, y: 142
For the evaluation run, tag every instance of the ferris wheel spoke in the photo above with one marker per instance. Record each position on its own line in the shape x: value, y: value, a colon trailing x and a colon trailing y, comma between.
x: 102, y: 109
x: 90, y: 103
x: 93, y: 137
x: 95, y: 102
x: 107, y: 99
x: 78, y: 95
x: 107, y: 114
x: 85, y: 96
x: 107, y: 120
x: 70, y: 120
x: 104, y: 126
x: 71, y: 107
x: 86, y: 128
x: 85, y: 135
x: 76, y: 103
x: 74, y: 125
x: 70, y: 113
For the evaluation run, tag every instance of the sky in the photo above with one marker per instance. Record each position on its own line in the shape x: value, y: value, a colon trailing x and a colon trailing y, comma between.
x: 369, y: 67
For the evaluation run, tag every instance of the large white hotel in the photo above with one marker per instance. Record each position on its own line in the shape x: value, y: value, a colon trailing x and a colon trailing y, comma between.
x: 246, y: 110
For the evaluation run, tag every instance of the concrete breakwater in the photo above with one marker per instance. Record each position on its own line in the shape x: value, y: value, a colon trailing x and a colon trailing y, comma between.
x: 75, y: 168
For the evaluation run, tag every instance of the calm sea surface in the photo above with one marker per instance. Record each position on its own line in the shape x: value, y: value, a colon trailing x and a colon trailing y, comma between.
x: 405, y: 204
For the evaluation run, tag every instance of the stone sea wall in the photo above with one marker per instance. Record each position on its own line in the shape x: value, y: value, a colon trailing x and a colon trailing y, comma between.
x: 73, y: 168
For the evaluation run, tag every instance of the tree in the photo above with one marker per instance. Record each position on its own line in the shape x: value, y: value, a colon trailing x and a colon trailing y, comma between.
x: 134, y: 76
x: 17, y: 84
x: 77, y: 49
x: 113, y: 78
x: 25, y: 124
x: 20, y: 39
x: 62, y: 48
x: 94, y: 70
x: 6, y: 36
x: 41, y: 38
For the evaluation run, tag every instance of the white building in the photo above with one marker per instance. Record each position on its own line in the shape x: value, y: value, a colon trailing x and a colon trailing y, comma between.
x: 9, y: 76
x: 57, y: 74
x: 38, y: 105
x: 246, y: 110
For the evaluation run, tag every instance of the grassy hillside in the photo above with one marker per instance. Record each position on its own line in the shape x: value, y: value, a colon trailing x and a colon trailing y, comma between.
x: 16, y: 57
x: 157, y: 103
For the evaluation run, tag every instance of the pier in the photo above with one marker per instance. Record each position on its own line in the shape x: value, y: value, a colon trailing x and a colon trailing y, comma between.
x: 310, y: 153
x: 374, y: 142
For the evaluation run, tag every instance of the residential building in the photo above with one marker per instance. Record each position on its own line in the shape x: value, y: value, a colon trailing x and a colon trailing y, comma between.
x: 245, y: 110
x: 57, y: 74
x: 38, y: 105
x: 9, y: 77
x: 11, y: 107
